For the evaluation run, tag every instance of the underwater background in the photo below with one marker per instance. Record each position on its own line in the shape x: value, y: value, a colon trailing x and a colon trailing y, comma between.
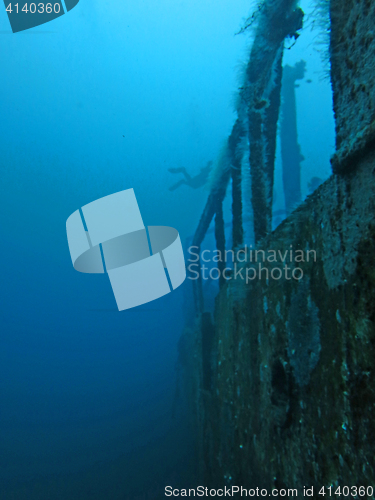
x: 106, y: 98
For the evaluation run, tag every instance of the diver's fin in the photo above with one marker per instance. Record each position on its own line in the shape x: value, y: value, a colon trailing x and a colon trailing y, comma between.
x: 177, y: 185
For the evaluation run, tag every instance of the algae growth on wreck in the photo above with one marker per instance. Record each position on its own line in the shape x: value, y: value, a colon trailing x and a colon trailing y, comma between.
x: 247, y: 126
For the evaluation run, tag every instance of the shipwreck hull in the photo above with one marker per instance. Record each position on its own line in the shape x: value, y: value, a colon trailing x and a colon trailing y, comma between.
x: 290, y: 395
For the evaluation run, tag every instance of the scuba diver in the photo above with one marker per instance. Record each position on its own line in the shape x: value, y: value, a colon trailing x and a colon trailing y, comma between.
x: 194, y: 182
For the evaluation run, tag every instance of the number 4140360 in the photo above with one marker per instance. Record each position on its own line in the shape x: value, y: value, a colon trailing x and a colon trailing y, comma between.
x: 33, y: 8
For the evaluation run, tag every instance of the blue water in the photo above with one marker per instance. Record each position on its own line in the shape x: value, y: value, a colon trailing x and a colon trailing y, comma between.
x: 80, y: 383
x: 105, y: 98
